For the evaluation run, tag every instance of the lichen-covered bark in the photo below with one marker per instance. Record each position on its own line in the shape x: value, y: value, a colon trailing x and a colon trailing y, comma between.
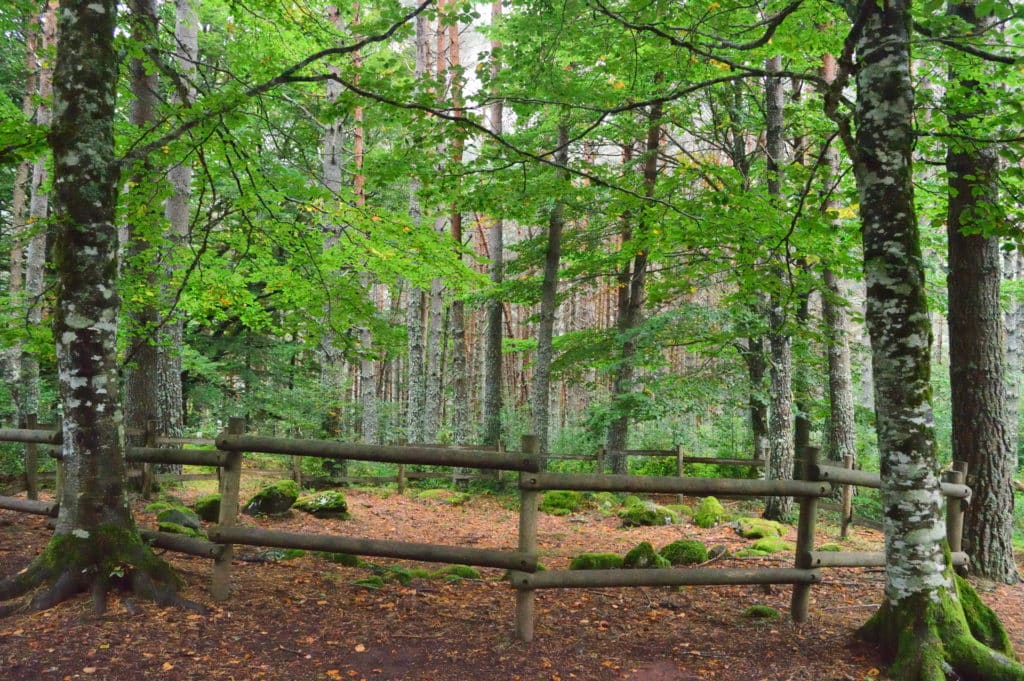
x: 921, y: 622
x: 976, y: 368
x: 841, y: 428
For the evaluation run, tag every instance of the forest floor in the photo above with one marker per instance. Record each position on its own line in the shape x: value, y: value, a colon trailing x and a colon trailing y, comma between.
x: 305, y: 618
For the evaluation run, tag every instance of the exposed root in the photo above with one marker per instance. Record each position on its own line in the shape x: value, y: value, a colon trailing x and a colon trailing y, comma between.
x: 952, y: 637
x: 116, y: 560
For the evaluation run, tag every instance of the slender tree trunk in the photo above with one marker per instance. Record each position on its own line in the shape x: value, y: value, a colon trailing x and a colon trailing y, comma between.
x: 1013, y: 269
x: 435, y: 337
x: 780, y: 343
x: 540, y: 397
x: 171, y: 337
x: 38, y: 212
x: 921, y: 595
x: 631, y: 290
x: 757, y: 404
x: 496, y: 239
x: 976, y: 369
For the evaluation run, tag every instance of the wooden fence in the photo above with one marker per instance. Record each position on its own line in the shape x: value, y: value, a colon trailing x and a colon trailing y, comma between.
x: 818, y: 481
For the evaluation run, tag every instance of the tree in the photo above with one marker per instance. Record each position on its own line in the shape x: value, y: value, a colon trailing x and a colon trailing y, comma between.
x: 95, y: 545
x: 976, y: 365
x: 922, y: 596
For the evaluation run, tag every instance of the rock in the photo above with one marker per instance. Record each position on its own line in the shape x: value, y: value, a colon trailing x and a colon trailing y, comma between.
x: 685, y: 552
x: 179, y: 515
x: 773, y: 545
x: 561, y: 502
x: 709, y: 513
x: 326, y: 504
x: 208, y: 507
x: 175, y: 528
x: 274, y: 499
x: 647, y: 513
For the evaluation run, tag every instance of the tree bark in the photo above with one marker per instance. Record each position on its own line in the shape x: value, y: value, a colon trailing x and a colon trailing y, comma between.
x: 757, y: 404
x: 976, y: 369
x: 920, y: 593
x: 540, y: 397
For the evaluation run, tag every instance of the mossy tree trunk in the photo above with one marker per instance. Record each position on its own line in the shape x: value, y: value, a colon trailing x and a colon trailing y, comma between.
x: 95, y: 545
x: 923, y: 622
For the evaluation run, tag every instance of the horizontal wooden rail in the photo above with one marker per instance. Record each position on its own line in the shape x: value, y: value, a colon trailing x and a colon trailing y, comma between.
x: 192, y: 457
x: 191, y: 441
x: 708, y: 460
x: 754, y: 463
x: 570, y: 579
x: 430, y: 456
x: 846, y: 476
x: 854, y: 559
x: 182, y: 544
x: 41, y: 437
x: 29, y: 506
x: 431, y: 553
x: 671, y: 485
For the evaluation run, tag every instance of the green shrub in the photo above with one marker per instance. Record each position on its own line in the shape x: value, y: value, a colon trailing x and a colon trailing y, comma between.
x: 685, y: 552
x: 709, y: 512
x: 561, y: 502
x: 644, y: 556
x: 596, y: 561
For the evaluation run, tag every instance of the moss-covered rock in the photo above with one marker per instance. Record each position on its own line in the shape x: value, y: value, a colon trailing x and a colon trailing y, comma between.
x: 647, y: 514
x: 596, y: 561
x: 681, y: 510
x: 207, y: 507
x: 178, y: 515
x: 761, y: 612
x: 175, y: 528
x: 644, y: 556
x: 709, y: 512
x: 758, y: 528
x: 158, y: 506
x: 685, y: 552
x: 273, y: 499
x: 346, y: 559
x: 752, y: 553
x: 606, y: 502
x: 773, y: 545
x: 632, y: 500
x: 561, y: 502
x: 326, y: 504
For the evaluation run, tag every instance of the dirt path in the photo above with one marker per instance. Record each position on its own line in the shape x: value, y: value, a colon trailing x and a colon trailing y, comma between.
x: 307, y: 619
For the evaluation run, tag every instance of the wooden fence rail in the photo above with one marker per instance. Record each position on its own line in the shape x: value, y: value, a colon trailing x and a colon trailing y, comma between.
x: 818, y: 482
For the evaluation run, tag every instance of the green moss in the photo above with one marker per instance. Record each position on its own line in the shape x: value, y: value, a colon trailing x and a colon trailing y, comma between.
x: 110, y: 550
x: 773, y: 545
x: 709, y: 512
x: 561, y: 502
x: 681, y: 510
x: 644, y: 556
x: 752, y: 553
x: 370, y: 582
x: 983, y: 623
x: 326, y: 504
x: 761, y: 612
x: 647, y: 514
x: 273, y: 499
x: 758, y: 528
x: 179, y: 515
x: 605, y: 501
x: 832, y: 548
x: 685, y: 552
x: 346, y: 559
x: 458, y: 572
x: 207, y: 507
x: 158, y: 506
x: 175, y: 528
x: 596, y: 561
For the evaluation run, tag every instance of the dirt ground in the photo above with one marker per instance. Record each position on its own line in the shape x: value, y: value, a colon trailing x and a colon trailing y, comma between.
x: 306, y: 619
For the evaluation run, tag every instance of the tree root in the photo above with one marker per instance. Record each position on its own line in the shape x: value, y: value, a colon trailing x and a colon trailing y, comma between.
x: 66, y: 569
x: 949, y: 636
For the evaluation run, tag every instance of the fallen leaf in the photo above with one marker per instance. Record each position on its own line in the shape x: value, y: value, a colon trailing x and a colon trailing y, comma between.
x: 89, y: 670
x: 360, y: 648
x: 167, y: 666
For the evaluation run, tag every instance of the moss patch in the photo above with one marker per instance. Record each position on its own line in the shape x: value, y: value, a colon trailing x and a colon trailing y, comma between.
x: 596, y: 561
x: 761, y: 612
x: 685, y: 552
x: 709, y: 512
x: 561, y: 502
x: 646, y: 514
x: 773, y: 545
x: 456, y: 572
x: 758, y: 528
x: 643, y: 556
x: 175, y: 528
x: 346, y: 559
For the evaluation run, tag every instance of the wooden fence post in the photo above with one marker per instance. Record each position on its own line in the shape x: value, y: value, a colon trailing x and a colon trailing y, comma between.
x: 220, y: 587
x: 32, y: 461
x: 955, y: 507
x: 805, y: 539
x: 600, y: 460
x: 680, y: 466
x: 528, y: 501
x: 847, y: 512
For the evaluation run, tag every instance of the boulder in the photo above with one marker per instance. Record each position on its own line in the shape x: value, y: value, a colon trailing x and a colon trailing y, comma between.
x: 273, y: 499
x: 709, y: 512
x: 207, y: 507
x: 685, y: 552
x: 179, y: 515
x: 326, y: 504
x: 647, y: 513
x: 644, y: 556
x: 561, y: 502
x: 596, y: 561
x: 758, y: 528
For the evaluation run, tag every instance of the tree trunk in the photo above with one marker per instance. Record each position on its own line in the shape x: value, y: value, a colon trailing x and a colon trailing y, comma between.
x: 757, y: 404
x: 95, y: 544
x: 434, y: 396
x: 920, y: 594
x: 496, y: 238
x: 780, y: 343
x: 1013, y: 269
x: 976, y: 368
x: 631, y: 289
x: 170, y: 339
x: 541, y: 394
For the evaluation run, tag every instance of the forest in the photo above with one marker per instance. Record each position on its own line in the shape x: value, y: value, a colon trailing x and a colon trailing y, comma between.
x: 738, y: 228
